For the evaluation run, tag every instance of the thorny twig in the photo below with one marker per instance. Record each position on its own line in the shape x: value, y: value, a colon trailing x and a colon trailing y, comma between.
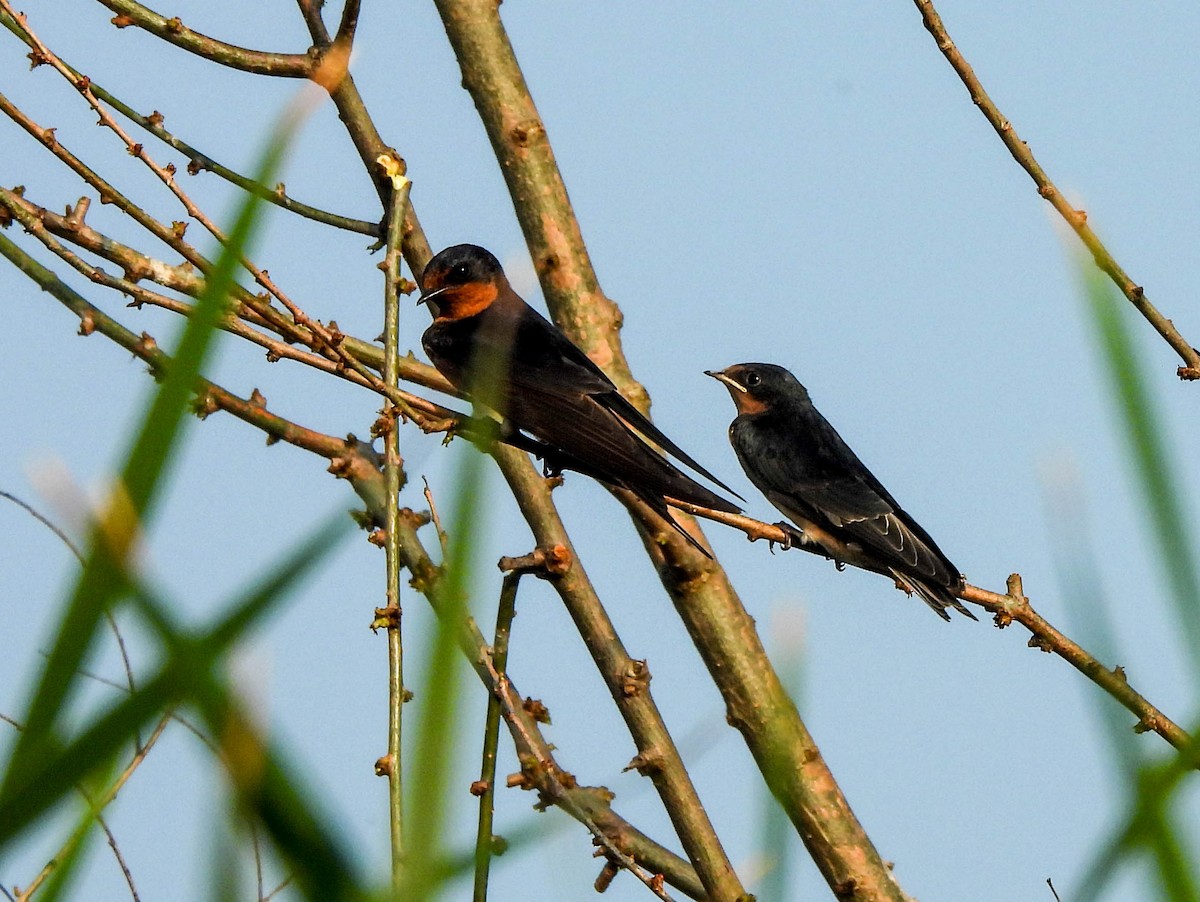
x: 1075, y: 218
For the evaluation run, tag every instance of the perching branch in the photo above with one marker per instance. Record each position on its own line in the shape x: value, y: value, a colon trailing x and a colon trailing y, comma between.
x: 356, y: 462
x: 1007, y: 608
x: 1076, y: 219
x: 702, y: 593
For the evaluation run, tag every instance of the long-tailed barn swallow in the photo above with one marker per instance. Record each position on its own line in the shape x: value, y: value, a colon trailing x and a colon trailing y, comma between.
x: 502, y: 353
x: 798, y: 460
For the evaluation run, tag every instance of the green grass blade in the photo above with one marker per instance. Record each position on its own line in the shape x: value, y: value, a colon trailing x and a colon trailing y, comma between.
x: 1146, y: 438
x: 55, y: 773
x: 101, y: 581
x: 1151, y: 825
x: 441, y: 689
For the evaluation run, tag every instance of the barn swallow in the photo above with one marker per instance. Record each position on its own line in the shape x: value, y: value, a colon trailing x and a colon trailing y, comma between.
x: 543, y: 385
x: 798, y: 460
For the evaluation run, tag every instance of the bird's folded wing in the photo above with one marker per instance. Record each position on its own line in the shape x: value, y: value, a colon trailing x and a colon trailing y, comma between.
x: 856, y: 507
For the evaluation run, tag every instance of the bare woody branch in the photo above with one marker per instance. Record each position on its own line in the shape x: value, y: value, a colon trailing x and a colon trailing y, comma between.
x: 705, y: 599
x: 1076, y: 219
x: 359, y: 464
x: 1012, y: 606
x: 173, y: 31
x: 367, y: 140
x: 539, y: 770
x: 198, y: 161
x: 627, y: 680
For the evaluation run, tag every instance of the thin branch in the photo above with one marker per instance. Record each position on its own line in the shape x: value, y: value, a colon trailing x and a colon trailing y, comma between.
x: 283, y: 884
x: 258, y: 863
x: 443, y: 539
x: 1007, y: 608
x: 628, y: 682
x: 198, y: 161
x: 45, y: 521
x: 539, y: 770
x: 1076, y: 219
x: 1014, y: 606
x: 173, y: 31
x: 112, y: 621
x: 367, y: 141
x: 116, y: 850
x: 97, y: 805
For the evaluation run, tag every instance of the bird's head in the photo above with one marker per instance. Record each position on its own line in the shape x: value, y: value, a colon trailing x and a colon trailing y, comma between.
x: 757, y: 387
x: 460, y: 282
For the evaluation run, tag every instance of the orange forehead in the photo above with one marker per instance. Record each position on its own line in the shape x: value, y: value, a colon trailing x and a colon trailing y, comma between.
x: 463, y: 301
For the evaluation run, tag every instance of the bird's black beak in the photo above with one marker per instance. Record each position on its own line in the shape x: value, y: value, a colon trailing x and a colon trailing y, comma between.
x: 428, y: 296
x: 722, y: 376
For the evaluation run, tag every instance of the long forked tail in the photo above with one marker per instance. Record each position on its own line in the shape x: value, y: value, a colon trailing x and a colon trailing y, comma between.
x: 940, y: 598
x: 659, y: 505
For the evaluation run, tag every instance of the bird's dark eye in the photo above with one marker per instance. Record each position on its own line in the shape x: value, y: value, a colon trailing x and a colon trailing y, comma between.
x: 753, y: 379
x: 461, y: 272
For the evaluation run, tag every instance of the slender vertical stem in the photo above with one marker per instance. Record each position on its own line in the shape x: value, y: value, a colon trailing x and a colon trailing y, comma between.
x: 628, y: 681
x: 393, y: 475
x: 487, y: 776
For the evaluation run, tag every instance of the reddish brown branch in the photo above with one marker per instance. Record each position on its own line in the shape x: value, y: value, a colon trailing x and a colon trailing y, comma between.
x: 1007, y: 608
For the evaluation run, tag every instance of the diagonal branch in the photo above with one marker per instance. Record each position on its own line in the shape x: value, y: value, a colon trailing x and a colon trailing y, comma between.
x: 539, y: 770
x: 358, y: 463
x: 628, y: 682
x: 198, y: 161
x: 367, y: 140
x: 97, y: 805
x: 1076, y: 219
x: 1012, y: 606
x: 705, y: 599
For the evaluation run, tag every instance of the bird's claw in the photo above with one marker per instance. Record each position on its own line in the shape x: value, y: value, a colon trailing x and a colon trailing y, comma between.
x: 791, y: 537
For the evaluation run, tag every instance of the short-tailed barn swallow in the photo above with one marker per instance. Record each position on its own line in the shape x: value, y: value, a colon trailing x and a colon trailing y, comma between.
x: 542, y: 384
x: 798, y: 460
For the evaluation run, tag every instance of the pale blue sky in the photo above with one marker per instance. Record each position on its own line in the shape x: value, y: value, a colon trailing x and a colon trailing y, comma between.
x: 804, y: 184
